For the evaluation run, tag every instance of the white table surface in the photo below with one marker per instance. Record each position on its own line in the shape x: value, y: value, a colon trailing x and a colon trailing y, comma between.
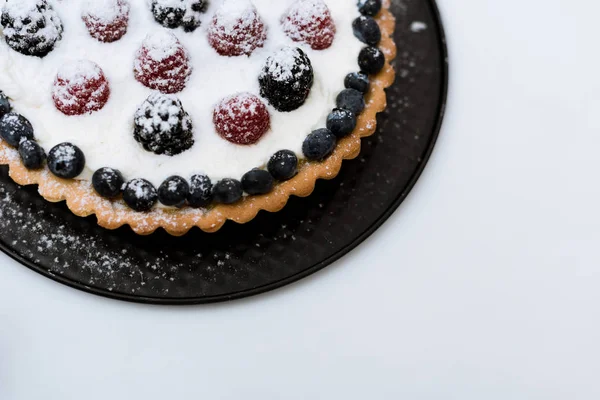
x: 484, y: 285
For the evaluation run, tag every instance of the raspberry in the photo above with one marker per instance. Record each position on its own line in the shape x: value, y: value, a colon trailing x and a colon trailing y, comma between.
x: 309, y: 21
x: 107, y: 20
x: 80, y: 87
x: 175, y: 13
x: 31, y: 27
x: 162, y: 63
x: 162, y: 126
x: 236, y: 29
x: 241, y: 119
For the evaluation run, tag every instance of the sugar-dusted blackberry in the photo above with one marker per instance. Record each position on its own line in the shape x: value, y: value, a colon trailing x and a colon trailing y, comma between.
x: 358, y: 81
x: 4, y: 104
x: 371, y: 60
x: 162, y: 126
x: 140, y: 195
x: 228, y: 191
x: 175, y: 13
x: 319, y: 144
x: 366, y: 30
x: 32, y: 154
x: 173, y: 191
x: 201, y: 191
x: 66, y: 160
x: 286, y: 79
x: 369, y: 7
x: 31, y: 27
x: 283, y: 165
x: 352, y: 100
x: 257, y: 181
x: 108, y: 182
x: 341, y: 122
x: 14, y: 128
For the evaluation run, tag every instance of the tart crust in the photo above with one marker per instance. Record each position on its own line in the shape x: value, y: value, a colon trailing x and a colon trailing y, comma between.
x: 83, y: 200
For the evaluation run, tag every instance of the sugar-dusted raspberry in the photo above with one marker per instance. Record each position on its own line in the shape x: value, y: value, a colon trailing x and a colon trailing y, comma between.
x: 242, y: 118
x: 309, y: 21
x: 31, y: 27
x: 162, y: 63
x: 236, y: 29
x: 80, y: 87
x: 106, y: 20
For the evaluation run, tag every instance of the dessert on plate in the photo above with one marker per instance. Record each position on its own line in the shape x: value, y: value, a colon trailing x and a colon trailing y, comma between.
x: 183, y: 113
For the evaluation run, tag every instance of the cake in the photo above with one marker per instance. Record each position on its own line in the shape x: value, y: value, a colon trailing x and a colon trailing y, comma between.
x: 183, y: 113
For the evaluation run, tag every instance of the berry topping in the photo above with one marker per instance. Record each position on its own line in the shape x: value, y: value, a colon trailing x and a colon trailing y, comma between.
x: 162, y: 63
x: 80, y: 88
x: 106, y: 20
x: 366, y: 30
x: 175, y: 13
x: 352, y: 100
x: 236, y: 29
x: 341, y: 122
x: 108, y: 182
x: 31, y: 27
x: 32, y: 154
x: 4, y: 104
x: 319, y: 144
x: 201, y: 191
x: 358, y: 81
x: 369, y: 7
x: 14, y: 128
x: 173, y: 191
x: 371, y: 60
x: 309, y: 21
x: 162, y: 126
x: 241, y: 119
x: 227, y: 191
x: 257, y: 181
x: 140, y: 195
x: 283, y: 165
x: 66, y: 160
x: 286, y: 79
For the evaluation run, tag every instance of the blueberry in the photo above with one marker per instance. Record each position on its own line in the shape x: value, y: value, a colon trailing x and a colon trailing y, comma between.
x: 140, y: 195
x: 14, y: 128
x: 4, y: 104
x: 371, y: 60
x: 201, y: 191
x: 341, y: 122
x: 227, y: 191
x: 283, y: 165
x: 108, y: 182
x: 366, y: 30
x: 369, y: 7
x: 358, y: 81
x: 173, y: 191
x: 352, y: 100
x: 319, y: 144
x: 32, y: 154
x: 66, y: 160
x: 257, y: 181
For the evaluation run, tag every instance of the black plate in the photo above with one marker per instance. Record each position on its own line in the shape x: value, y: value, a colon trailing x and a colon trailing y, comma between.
x: 272, y: 250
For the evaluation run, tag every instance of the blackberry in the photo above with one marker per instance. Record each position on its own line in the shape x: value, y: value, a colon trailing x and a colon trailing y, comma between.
x: 366, y: 30
x: 257, y: 181
x: 66, y: 160
x: 178, y: 13
x: 4, y: 105
x: 358, y: 81
x: 140, y: 195
x: 173, y: 191
x: 108, y: 182
x: 283, y: 165
x: 31, y: 27
x: 162, y: 126
x: 286, y: 79
x: 352, y: 100
x: 201, y: 191
x: 227, y: 191
x: 371, y: 60
x: 319, y: 144
x: 32, y: 154
x: 14, y: 128
x: 341, y: 122
x: 369, y: 7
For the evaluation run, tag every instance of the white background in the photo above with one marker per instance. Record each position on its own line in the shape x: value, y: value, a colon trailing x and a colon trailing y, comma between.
x: 484, y: 285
